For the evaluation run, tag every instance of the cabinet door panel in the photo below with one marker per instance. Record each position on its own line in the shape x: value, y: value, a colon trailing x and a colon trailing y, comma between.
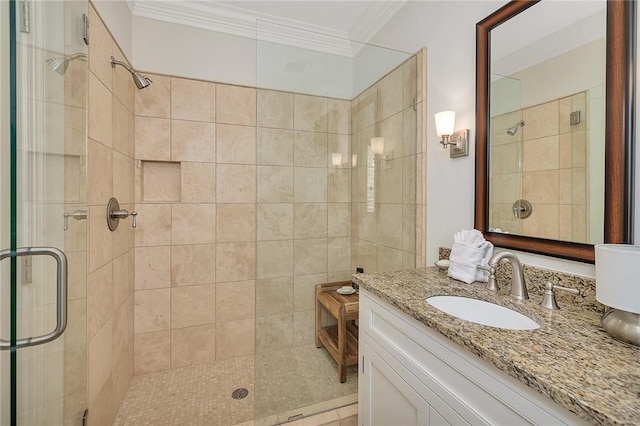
x: 390, y: 400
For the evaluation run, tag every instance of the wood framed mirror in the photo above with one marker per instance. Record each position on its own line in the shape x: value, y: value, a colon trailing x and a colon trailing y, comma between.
x: 617, y: 135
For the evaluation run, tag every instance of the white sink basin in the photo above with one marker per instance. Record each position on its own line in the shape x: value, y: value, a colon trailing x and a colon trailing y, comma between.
x: 481, y: 312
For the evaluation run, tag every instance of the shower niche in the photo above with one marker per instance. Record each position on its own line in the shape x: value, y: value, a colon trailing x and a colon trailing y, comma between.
x: 160, y: 181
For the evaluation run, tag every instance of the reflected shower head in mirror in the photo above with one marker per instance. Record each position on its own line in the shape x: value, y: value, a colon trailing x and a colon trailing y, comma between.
x: 60, y: 63
x: 514, y: 129
x: 140, y: 80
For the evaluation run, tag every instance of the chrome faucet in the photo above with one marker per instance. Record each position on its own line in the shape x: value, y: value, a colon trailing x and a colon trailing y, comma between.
x: 518, y: 285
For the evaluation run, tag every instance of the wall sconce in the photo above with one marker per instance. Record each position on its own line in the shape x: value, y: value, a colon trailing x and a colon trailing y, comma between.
x: 336, y: 159
x: 377, y: 145
x: 354, y: 160
x: 458, y: 142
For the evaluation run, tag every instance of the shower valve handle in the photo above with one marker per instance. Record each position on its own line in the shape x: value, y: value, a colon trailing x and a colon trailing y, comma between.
x: 114, y: 214
x: 77, y: 215
x: 123, y: 214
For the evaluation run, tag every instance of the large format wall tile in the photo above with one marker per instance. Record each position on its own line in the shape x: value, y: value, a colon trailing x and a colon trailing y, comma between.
x: 235, y: 339
x: 152, y: 352
x: 235, y: 261
x: 193, y: 223
x: 235, y: 222
x: 193, y: 305
x: 274, y: 147
x: 310, y: 113
x: 235, y: 183
x: 275, y: 109
x: 236, y: 144
x: 235, y: 301
x: 193, y: 264
x: 155, y: 100
x: 197, y: 345
x: 193, y: 141
x: 152, y: 267
x: 153, y: 138
x: 198, y: 182
x: 193, y: 100
x: 236, y: 105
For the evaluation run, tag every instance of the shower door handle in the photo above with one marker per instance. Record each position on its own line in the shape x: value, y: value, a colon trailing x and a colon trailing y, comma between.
x: 61, y: 294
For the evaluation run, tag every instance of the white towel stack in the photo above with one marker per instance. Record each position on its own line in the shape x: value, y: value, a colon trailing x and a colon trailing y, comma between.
x: 469, y: 250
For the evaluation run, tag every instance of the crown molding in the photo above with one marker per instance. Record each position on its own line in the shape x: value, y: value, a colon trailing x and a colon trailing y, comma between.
x: 378, y: 14
x: 240, y: 22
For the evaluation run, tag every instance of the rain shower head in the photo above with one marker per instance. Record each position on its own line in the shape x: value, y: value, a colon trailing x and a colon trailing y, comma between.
x: 514, y: 129
x: 140, y: 80
x: 60, y: 63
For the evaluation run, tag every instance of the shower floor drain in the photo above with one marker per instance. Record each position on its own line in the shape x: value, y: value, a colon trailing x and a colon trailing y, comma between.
x: 240, y: 393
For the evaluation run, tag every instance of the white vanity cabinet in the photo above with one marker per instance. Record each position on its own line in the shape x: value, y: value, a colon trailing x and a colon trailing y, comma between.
x: 412, y: 375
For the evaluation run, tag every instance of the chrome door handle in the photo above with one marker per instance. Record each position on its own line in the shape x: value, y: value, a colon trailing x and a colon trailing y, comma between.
x: 61, y: 283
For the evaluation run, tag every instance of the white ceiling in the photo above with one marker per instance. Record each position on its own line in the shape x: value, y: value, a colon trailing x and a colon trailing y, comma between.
x: 323, y: 25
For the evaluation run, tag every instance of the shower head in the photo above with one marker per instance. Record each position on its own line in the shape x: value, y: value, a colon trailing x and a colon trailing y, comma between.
x: 514, y: 129
x: 140, y: 80
x: 60, y: 63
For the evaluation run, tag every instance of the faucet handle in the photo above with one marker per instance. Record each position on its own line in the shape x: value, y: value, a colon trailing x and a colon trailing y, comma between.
x: 492, y: 284
x: 549, y: 297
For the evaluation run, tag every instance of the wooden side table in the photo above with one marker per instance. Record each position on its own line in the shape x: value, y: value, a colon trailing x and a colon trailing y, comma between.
x: 341, y: 340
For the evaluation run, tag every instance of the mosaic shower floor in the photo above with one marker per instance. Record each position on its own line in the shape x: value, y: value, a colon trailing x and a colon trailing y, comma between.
x: 281, y: 384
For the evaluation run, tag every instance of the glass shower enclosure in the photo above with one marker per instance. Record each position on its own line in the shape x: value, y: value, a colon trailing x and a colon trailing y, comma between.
x: 43, y: 214
x: 337, y: 164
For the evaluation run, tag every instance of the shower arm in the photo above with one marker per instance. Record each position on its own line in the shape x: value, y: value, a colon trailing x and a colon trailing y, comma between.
x: 115, y: 62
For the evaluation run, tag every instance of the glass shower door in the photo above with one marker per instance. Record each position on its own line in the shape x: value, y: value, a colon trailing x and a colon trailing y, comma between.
x: 43, y: 215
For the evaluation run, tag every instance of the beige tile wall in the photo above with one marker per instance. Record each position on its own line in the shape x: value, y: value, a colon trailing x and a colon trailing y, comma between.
x: 195, y: 241
x: 386, y: 236
x: 545, y: 162
x: 242, y: 211
x: 110, y: 261
x: 303, y: 202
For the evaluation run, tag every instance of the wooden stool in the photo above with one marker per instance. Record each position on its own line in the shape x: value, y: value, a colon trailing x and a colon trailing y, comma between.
x: 341, y: 340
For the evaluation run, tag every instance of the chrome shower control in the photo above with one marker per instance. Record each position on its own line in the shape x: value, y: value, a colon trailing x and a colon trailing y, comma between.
x: 114, y: 214
x: 549, y: 297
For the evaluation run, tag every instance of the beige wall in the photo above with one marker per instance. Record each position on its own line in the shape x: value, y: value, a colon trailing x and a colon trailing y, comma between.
x: 242, y: 211
x: 111, y: 257
x: 545, y: 162
x: 195, y: 242
x: 387, y: 235
x: 237, y: 203
x: 303, y: 211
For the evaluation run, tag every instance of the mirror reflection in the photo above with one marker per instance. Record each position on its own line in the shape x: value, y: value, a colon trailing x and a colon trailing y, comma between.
x: 547, y: 122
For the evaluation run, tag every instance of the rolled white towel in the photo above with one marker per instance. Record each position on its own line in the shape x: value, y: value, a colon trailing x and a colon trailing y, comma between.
x: 464, y: 260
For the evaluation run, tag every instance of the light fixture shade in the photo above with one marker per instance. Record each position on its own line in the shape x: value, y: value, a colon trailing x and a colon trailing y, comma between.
x: 336, y: 158
x: 445, y: 123
x: 618, y: 276
x: 377, y: 145
x: 354, y: 160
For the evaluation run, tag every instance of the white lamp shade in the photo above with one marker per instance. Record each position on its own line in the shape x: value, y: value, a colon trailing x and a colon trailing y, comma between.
x: 336, y: 158
x: 377, y: 145
x: 618, y: 276
x: 445, y: 123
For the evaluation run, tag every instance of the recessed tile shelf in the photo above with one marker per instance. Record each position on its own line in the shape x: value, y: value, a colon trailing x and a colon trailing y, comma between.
x: 160, y: 181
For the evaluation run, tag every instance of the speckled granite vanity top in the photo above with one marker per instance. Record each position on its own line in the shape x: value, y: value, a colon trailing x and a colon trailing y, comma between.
x: 570, y: 358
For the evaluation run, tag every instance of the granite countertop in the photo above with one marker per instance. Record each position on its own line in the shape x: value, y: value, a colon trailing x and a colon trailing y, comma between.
x: 570, y: 358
